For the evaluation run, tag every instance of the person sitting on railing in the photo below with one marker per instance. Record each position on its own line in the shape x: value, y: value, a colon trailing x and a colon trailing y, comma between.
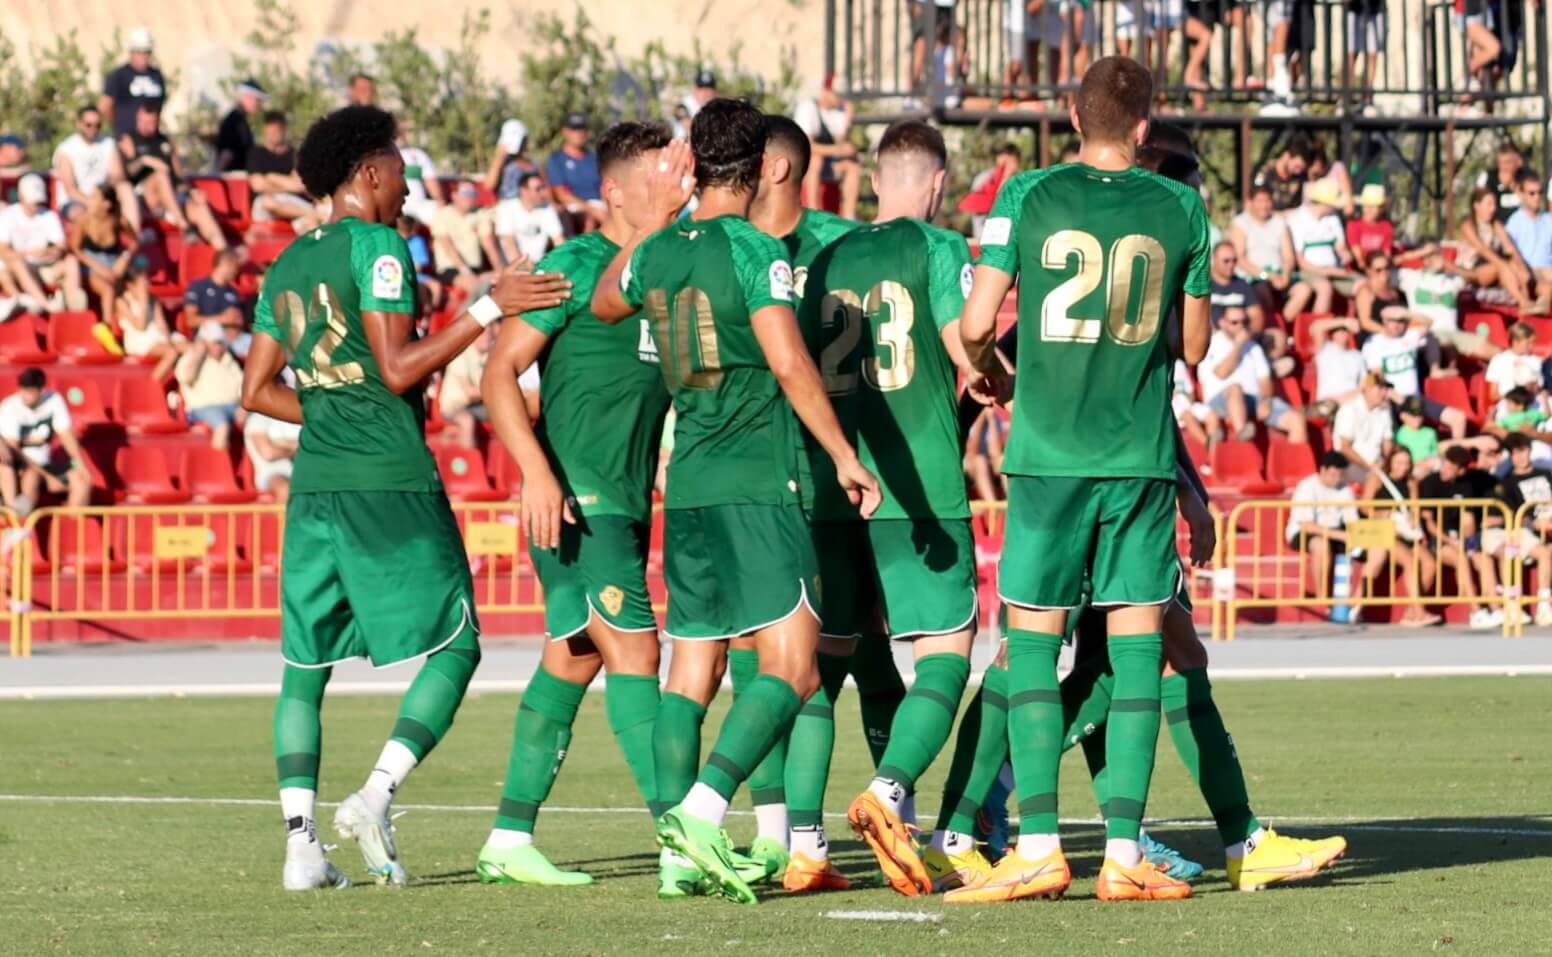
x: 31, y: 419
x: 1531, y: 230
x: 1524, y: 485
x: 1475, y: 19
x: 1317, y: 526
x: 1410, y: 553
x: 1453, y: 531
x: 1367, y: 27
x: 1490, y: 261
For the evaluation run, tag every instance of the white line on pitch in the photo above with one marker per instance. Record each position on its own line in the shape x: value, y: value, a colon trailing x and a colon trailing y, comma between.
x: 913, y: 916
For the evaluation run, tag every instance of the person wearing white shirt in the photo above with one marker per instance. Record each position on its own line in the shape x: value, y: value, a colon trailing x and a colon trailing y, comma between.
x: 826, y: 119
x: 1196, y: 419
x: 527, y: 226
x: 1393, y: 353
x: 1321, y: 256
x: 1515, y: 367
x: 1363, y: 429
x: 1317, y: 525
x: 1339, y: 366
x: 31, y: 419
x: 271, y: 446
x: 32, y: 250
x: 420, y: 176
x: 1237, y: 381
x: 87, y: 160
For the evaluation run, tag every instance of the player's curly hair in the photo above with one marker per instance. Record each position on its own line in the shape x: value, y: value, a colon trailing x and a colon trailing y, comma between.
x: 337, y: 143
x: 728, y: 140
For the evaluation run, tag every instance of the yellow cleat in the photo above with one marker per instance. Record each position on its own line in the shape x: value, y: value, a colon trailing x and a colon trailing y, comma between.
x: 1017, y: 878
x: 1277, y: 859
x: 950, y: 871
x: 806, y: 875
x: 1145, y: 882
x: 891, y: 842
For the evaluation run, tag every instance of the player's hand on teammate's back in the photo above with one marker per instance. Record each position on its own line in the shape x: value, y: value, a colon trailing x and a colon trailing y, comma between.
x: 671, y: 182
x: 861, y: 485
x: 517, y: 291
x: 990, y: 388
x: 544, y: 508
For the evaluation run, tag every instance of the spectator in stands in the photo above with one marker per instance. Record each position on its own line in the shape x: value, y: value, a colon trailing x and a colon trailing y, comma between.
x: 1476, y: 21
x: 1417, y: 437
x: 1451, y: 529
x: 1433, y: 294
x: 362, y: 90
x: 1514, y: 368
x: 271, y: 446
x: 420, y: 176
x: 1367, y: 27
x: 703, y: 92
x: 1339, y: 366
x: 1317, y: 525
x: 1520, y: 411
x: 135, y: 84
x: 31, y: 419
x: 13, y: 156
x: 1392, y: 352
x: 234, y: 138
x: 278, y: 193
x: 1285, y: 175
x: 1321, y: 168
x: 1320, y: 252
x: 509, y: 163
x: 33, y: 251
x: 1196, y: 419
x: 152, y: 164
x: 1530, y: 228
x: 1525, y: 484
x: 827, y: 119
x: 983, y: 456
x: 211, y: 381
x: 143, y: 328
x: 215, y: 298
x: 1409, y: 553
x: 459, y: 400
x: 1500, y: 180
x: 932, y: 24
x: 1371, y: 232
x: 428, y: 287
x: 1263, y: 245
x: 1363, y: 430
x: 1376, y: 294
x: 1229, y: 290
x: 463, y: 241
x: 1237, y: 382
x: 87, y: 160
x: 1490, y: 259
x: 528, y: 226
x: 988, y: 183
x: 103, y: 243
x: 573, y: 174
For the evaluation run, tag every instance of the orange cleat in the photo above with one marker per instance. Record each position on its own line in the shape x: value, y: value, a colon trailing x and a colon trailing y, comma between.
x: 1017, y: 878
x: 806, y: 875
x: 1145, y: 882
x: 886, y: 835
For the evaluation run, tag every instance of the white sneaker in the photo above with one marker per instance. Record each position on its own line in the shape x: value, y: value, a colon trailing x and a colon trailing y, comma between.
x: 1544, y: 615
x: 308, y: 868
x: 8, y: 307
x: 1485, y: 618
x: 1280, y: 109
x: 373, y: 834
x: 28, y: 303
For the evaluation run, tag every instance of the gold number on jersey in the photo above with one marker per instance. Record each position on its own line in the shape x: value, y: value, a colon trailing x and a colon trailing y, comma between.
x: 296, y: 320
x: 1056, y: 322
x: 688, y: 316
x: 848, y: 313
x: 840, y: 310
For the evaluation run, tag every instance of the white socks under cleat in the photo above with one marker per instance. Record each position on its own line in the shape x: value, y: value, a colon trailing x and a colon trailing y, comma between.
x: 307, y: 865
x: 372, y: 831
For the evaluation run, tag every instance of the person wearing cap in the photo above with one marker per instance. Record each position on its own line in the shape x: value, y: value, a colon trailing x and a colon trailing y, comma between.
x: 463, y: 241
x: 420, y: 176
x: 1371, y: 232
x: 1364, y: 429
x: 134, y: 84
x: 235, y: 137
x: 573, y: 174
x: 526, y: 227
x: 33, y: 253
x: 1320, y: 250
x: 510, y: 162
x: 152, y: 164
x: 210, y: 380
x: 31, y: 420
x: 827, y: 119
x: 85, y: 161
x: 278, y: 193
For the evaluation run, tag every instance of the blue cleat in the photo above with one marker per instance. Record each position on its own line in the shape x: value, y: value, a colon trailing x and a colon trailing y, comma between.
x: 991, y: 821
x: 1168, y: 860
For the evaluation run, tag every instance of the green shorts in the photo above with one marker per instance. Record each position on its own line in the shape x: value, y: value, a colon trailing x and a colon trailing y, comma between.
x: 378, y: 575
x: 734, y: 569
x: 599, y: 569
x: 919, y: 574
x: 1119, y: 532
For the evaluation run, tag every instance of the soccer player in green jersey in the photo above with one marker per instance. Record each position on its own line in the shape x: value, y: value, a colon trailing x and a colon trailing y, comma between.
x: 1104, y: 250
x: 374, y: 565
x: 588, y: 466
x: 738, y: 558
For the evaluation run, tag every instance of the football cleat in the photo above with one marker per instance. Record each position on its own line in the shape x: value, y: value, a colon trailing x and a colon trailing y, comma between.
x: 805, y: 875
x: 677, y: 878
x: 307, y: 868
x: 1017, y: 878
x: 991, y: 820
x: 1167, y: 859
x: 1145, y: 882
x: 770, y: 858
x: 524, y: 864
x: 950, y: 871
x: 1277, y: 860
x: 707, y: 847
x: 891, y: 842
x: 373, y: 834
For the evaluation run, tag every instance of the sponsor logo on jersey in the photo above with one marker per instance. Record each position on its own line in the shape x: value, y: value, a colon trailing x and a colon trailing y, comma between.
x: 612, y: 599
x: 387, y: 277
x: 966, y: 279
x: 646, y: 349
x: 781, y: 280
x: 997, y: 231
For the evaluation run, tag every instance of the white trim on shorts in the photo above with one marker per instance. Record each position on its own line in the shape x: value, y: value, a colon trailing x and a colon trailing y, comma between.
x: 1173, y: 593
x: 466, y: 622
x: 975, y: 613
x: 802, y: 603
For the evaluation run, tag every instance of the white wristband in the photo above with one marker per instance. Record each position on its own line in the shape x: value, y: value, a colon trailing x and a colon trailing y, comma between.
x: 484, y: 311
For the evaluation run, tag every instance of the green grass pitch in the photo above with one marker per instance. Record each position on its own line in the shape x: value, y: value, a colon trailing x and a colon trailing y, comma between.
x: 1441, y: 786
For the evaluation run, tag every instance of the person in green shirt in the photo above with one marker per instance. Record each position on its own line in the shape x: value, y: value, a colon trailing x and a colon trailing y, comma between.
x: 374, y: 565
x: 1417, y: 437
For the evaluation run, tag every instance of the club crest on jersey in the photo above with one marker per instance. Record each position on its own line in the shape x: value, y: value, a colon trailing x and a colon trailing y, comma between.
x: 781, y: 281
x: 966, y: 279
x: 612, y: 599
x: 387, y: 278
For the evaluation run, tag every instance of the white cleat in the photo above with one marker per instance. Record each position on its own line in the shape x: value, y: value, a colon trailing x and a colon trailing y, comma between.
x: 373, y: 834
x: 308, y: 868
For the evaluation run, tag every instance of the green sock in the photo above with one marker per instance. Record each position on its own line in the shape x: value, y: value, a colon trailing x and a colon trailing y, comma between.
x: 539, y: 739
x: 1207, y: 751
x: 1133, y: 734
x: 428, y: 708
x: 879, y: 690
x: 298, y: 727
x: 925, y: 718
x: 979, y: 753
x: 1035, y: 726
x: 811, y: 743
x: 758, y: 717
x: 1086, y: 697
x: 1094, y: 756
x: 767, y: 782
x: 631, y: 703
x: 676, y: 747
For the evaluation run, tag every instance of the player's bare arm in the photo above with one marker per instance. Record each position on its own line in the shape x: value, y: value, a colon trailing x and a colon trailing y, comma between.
x: 776, y: 329
x: 669, y: 186
x: 1195, y: 327
x: 1193, y: 508
x: 262, y: 392
x: 978, y: 325
x: 544, y: 507
x: 985, y: 388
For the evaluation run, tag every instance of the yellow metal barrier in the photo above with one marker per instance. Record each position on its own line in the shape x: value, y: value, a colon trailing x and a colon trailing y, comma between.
x: 1399, y: 541
x: 504, y: 579
x: 1529, y: 540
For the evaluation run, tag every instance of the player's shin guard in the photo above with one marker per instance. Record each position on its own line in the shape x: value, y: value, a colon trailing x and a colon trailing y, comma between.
x: 427, y: 711
x: 979, y: 752
x: 540, y: 737
x: 1208, y: 752
x: 1034, y: 728
x: 298, y: 728
x: 1133, y: 731
x: 759, y: 716
x: 676, y: 747
x: 631, y: 702
x: 810, y: 746
x: 767, y: 781
x: 880, y: 689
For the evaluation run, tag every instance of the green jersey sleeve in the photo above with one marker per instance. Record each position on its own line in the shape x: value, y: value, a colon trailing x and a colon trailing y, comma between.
x: 999, y: 237
x: 949, y: 274
x: 552, y: 320
x: 632, y: 290
x: 761, y: 267
x: 264, y: 318
x: 385, y: 277
x: 1198, y: 268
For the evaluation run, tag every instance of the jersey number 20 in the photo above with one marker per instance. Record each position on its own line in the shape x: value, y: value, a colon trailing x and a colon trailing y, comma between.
x: 847, y: 315
x: 1058, y: 324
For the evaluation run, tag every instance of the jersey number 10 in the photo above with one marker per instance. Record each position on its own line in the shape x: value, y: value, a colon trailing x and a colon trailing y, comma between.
x: 1057, y: 324
x: 847, y: 314
x: 674, y: 324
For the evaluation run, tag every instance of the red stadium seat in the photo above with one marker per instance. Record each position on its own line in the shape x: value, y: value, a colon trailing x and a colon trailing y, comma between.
x: 1237, y: 464
x: 1451, y: 391
x: 1477, y: 386
x: 19, y: 343
x: 262, y: 252
x: 1303, y: 342
x: 463, y: 473
x: 1288, y: 386
x: 141, y: 404
x: 1197, y: 451
x: 1289, y: 462
x: 76, y: 545
x: 83, y: 396
x: 271, y: 229
x: 144, y: 476
x: 503, y: 469
x: 207, y: 475
x: 70, y: 335
x: 1489, y: 324
x: 196, y: 262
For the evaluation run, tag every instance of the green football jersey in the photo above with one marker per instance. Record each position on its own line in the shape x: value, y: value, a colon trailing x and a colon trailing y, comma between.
x: 356, y: 434
x: 602, y: 399
x: 816, y: 229
x: 736, y: 440
x: 877, y: 302
x: 1101, y: 259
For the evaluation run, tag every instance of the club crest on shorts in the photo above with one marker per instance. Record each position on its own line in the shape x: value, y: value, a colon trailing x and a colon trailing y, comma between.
x: 612, y: 598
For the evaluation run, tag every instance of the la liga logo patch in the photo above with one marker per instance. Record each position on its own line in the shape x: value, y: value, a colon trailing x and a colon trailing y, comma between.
x: 781, y: 281
x: 387, y: 278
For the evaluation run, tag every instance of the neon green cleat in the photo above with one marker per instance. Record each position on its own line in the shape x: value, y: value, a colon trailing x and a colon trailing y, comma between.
x: 771, y: 858
x: 677, y: 878
x: 950, y: 871
x: 525, y: 864
x: 707, y: 846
